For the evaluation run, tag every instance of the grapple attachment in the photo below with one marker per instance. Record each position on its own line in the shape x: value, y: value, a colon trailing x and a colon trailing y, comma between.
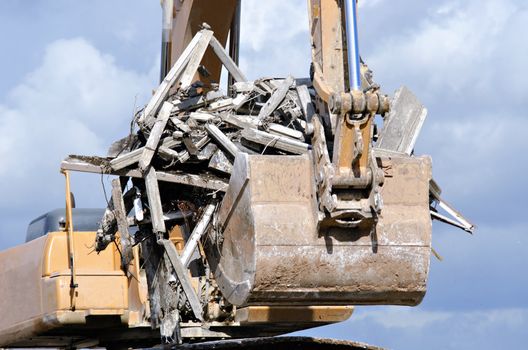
x: 268, y: 248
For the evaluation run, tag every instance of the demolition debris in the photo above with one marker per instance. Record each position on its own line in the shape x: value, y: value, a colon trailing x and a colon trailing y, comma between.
x: 175, y: 166
x: 198, y: 131
x: 196, y: 135
x: 179, y: 160
x: 181, y: 155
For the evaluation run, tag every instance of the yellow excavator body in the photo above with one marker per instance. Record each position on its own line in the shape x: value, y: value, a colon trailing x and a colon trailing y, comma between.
x: 108, y: 308
x: 37, y: 297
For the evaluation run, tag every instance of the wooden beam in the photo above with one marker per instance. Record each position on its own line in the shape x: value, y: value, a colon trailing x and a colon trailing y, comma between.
x: 276, y: 98
x: 189, y: 73
x: 122, y: 224
x: 183, y: 156
x: 223, y: 141
x: 243, y: 86
x: 126, y: 159
x: 241, y: 121
x: 197, y: 233
x: 155, y: 136
x: 163, y: 89
x: 209, y: 182
x: 282, y: 130
x: 306, y: 102
x: 275, y: 141
x: 183, y: 276
x: 134, y: 156
x: 227, y: 61
x: 168, y: 154
x: 156, y: 210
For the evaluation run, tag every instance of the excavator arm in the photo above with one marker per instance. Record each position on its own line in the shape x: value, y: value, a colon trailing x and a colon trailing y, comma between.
x: 352, y: 211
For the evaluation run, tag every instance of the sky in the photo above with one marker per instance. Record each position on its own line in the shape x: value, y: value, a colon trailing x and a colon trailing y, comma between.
x: 72, y: 74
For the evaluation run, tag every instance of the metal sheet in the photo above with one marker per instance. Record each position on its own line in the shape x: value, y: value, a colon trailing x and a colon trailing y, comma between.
x: 403, y: 124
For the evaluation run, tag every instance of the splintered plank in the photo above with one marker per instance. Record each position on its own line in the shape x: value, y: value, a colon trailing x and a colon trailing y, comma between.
x: 183, y: 277
x: 223, y: 141
x: 276, y: 98
x: 306, y: 102
x: 155, y: 136
x: 197, y: 233
x: 403, y: 124
x: 227, y: 61
x: 275, y: 141
x: 163, y: 89
x: 195, y: 60
x: 134, y: 156
x: 122, y: 224
x: 208, y: 182
x: 99, y: 166
x: 153, y: 194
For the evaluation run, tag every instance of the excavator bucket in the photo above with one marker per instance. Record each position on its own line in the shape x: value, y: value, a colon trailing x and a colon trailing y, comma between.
x: 273, y: 251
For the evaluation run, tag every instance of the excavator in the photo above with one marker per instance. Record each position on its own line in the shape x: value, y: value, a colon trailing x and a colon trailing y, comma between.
x: 293, y: 241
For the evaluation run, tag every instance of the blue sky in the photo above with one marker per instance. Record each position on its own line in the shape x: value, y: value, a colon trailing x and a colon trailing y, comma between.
x: 72, y: 73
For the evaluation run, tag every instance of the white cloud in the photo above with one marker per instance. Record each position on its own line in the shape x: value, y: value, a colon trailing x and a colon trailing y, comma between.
x: 274, y: 38
x: 77, y: 101
x: 459, y: 47
x: 127, y: 32
x: 405, y: 328
x: 369, y: 3
x: 77, y: 82
x: 274, y: 21
x: 467, y: 151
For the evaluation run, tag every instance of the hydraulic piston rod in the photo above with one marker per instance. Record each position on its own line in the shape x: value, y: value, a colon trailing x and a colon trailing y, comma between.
x: 354, y: 76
